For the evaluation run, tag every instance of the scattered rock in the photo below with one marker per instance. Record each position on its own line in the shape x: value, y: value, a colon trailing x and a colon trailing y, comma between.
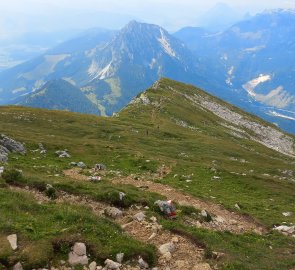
x: 202, y: 266
x: 175, y: 239
x: 167, y: 256
x: 121, y: 195
x: 219, y: 219
x: 78, y: 255
x: 18, y: 266
x: 142, y: 264
x: 124, y: 226
x: 111, y: 265
x: 81, y: 164
x: 153, y: 235
x: 99, y: 167
x: 180, y: 264
x: 1, y: 168
x: 113, y: 212
x: 204, y: 213
x: 12, y: 239
x: 139, y: 216
x: 153, y: 219
x: 92, y: 266
x: 73, y: 164
x: 285, y: 214
x: 94, y: 178
x: 168, y: 247
x: 286, y: 229
x: 63, y: 154
x: 42, y: 148
x: 217, y: 255
x: 156, y: 227
x: 120, y: 257
x: 79, y: 249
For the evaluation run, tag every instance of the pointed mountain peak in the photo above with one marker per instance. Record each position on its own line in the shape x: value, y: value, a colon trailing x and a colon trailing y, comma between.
x: 133, y: 23
x: 133, y: 26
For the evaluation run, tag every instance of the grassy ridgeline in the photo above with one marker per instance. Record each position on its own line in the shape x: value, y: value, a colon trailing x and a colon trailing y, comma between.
x: 138, y: 142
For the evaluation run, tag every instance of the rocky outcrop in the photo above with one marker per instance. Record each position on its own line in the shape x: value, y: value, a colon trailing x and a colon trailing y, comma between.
x: 3, y: 154
x: 120, y: 257
x: 254, y: 130
x: 78, y: 255
x: 113, y: 212
x: 12, y: 239
x: 142, y: 264
x: 286, y: 230
x: 111, y: 265
x: 12, y: 145
x: 18, y: 266
x: 166, y: 250
x: 266, y: 135
x: 7, y: 146
x: 139, y: 216
x: 92, y: 266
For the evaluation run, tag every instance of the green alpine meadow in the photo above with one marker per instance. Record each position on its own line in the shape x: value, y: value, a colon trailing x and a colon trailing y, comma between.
x: 92, y: 192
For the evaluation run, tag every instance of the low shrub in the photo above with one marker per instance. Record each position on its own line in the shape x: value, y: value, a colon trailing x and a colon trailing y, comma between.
x: 13, y: 177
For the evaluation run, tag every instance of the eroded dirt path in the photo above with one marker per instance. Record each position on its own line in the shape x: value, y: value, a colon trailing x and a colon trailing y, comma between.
x: 225, y: 220
x: 187, y: 255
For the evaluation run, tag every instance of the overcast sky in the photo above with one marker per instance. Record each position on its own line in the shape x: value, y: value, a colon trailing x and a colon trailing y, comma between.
x: 19, y: 16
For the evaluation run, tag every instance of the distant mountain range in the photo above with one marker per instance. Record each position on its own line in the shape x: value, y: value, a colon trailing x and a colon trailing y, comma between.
x: 256, y: 59
x: 250, y: 65
x: 109, y: 67
x: 19, y: 49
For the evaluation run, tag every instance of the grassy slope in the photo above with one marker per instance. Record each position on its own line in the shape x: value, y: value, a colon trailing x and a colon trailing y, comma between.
x: 143, y: 133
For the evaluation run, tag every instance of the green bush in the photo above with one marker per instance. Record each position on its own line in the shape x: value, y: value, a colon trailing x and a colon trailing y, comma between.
x: 13, y: 177
x: 208, y: 253
x: 51, y: 193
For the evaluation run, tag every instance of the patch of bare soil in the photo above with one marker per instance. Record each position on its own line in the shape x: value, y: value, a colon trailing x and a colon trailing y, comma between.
x: 224, y: 220
x: 186, y: 254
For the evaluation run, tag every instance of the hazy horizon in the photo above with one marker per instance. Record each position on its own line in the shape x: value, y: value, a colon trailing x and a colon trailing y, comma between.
x: 19, y: 17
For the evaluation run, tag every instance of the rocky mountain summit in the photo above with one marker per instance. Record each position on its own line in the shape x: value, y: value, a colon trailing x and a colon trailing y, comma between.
x: 106, y: 75
x: 244, y: 65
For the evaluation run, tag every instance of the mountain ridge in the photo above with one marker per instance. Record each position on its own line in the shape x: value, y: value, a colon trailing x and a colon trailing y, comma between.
x: 115, y: 66
x: 166, y: 145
